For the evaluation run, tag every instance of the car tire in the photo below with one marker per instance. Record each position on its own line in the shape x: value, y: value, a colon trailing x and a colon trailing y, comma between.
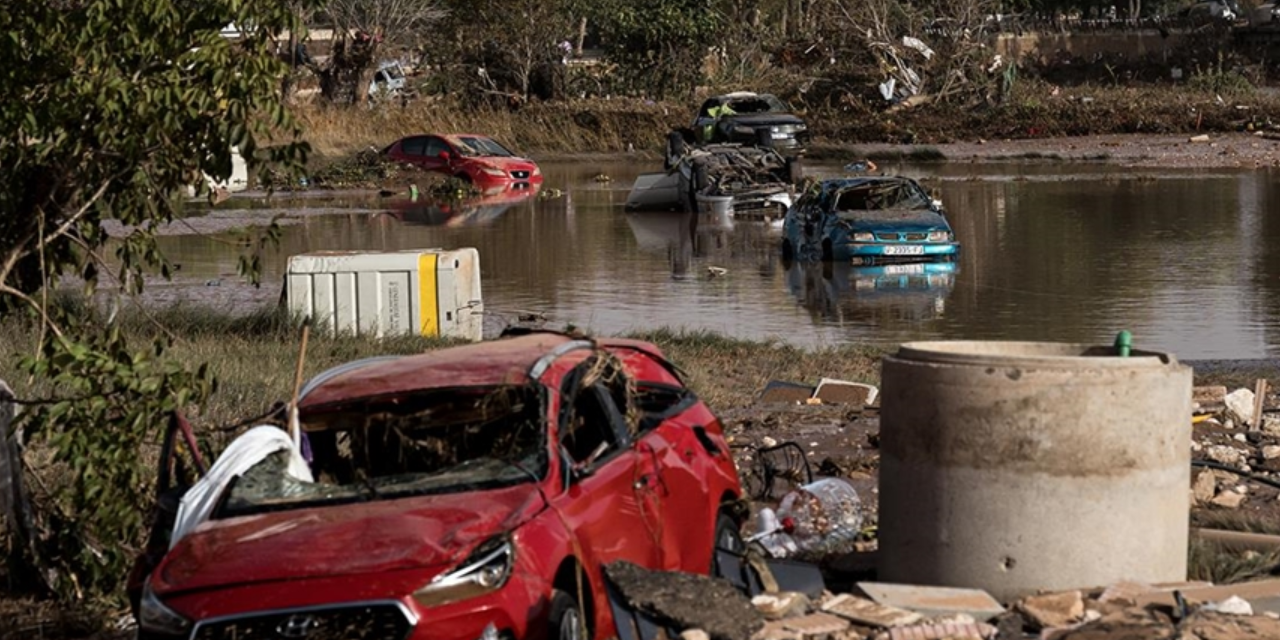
x: 728, y: 536
x: 566, y: 621
x: 828, y: 252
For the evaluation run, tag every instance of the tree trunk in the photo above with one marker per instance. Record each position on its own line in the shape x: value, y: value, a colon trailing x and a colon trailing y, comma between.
x: 582, y: 35
x: 15, y: 507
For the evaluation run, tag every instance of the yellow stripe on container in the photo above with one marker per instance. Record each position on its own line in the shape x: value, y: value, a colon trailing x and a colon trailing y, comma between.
x: 427, y: 307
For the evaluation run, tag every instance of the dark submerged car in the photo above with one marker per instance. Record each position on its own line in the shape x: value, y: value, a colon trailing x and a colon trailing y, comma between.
x: 868, y: 221
x: 751, y: 118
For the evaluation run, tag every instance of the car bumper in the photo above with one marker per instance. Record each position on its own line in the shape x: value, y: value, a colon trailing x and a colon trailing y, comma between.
x: 898, y: 253
x: 507, y: 183
x: 243, y: 611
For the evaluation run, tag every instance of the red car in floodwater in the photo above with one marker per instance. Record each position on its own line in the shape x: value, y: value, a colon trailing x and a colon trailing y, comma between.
x: 477, y: 159
x: 465, y: 493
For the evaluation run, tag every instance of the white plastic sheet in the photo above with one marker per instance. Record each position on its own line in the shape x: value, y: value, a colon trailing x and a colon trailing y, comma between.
x: 241, y: 455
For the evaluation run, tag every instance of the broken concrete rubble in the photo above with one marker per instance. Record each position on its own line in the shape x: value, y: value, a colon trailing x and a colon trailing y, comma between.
x: 870, y: 613
x: 664, y: 595
x: 934, y: 601
x: 1240, y: 406
x: 1054, y: 609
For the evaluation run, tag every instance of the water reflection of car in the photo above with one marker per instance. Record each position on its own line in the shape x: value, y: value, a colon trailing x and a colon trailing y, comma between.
x: 868, y: 221
x: 1266, y: 14
x: 477, y: 159
x: 484, y: 208
x: 464, y: 493
x: 839, y: 290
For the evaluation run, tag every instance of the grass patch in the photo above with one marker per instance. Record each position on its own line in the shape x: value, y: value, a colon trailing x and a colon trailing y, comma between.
x: 1213, y: 563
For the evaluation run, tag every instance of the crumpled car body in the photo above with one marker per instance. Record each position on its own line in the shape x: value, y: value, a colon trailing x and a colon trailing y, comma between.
x: 757, y: 180
x: 745, y: 117
x: 871, y: 220
x: 468, y: 492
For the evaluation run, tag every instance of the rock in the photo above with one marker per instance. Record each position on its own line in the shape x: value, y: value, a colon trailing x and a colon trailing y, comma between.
x: 816, y: 624
x: 1240, y: 437
x: 1235, y: 605
x: 1271, y: 452
x: 1209, y: 397
x: 1204, y: 487
x: 1220, y: 626
x: 1228, y: 500
x: 1200, y: 138
x: 1225, y: 454
x: 776, y: 606
x: 694, y: 634
x: 1271, y: 424
x: 1240, y: 406
x: 773, y: 630
x: 1054, y: 609
x: 863, y: 611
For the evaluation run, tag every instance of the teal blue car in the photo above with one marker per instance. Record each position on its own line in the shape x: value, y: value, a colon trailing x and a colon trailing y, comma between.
x: 871, y: 220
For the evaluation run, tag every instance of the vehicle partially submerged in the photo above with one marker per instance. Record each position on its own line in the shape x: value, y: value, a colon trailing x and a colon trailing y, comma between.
x: 464, y: 493
x: 745, y: 180
x: 750, y: 118
x: 868, y: 220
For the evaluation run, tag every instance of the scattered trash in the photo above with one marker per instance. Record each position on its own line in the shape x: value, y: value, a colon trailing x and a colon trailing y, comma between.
x: 1235, y: 605
x: 715, y: 272
x: 827, y: 391
x: 1204, y: 137
x: 826, y: 515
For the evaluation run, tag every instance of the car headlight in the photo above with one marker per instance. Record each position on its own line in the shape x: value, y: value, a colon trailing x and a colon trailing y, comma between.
x: 154, y: 617
x: 536, y: 171
x: 939, y: 236
x: 485, y: 570
x: 493, y: 171
x: 863, y: 236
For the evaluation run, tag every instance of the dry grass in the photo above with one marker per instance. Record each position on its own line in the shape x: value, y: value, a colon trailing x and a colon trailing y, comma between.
x: 578, y: 126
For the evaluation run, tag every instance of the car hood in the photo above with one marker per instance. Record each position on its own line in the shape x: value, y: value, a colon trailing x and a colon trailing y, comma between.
x: 766, y: 119
x: 901, y: 220
x: 351, y: 539
x: 506, y: 163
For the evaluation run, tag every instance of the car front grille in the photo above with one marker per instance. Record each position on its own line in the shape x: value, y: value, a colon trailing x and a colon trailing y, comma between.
x: 361, y: 621
x: 916, y: 237
x: 520, y: 175
x: 887, y: 237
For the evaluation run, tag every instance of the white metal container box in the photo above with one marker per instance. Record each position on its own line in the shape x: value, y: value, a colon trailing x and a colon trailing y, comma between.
x: 431, y: 292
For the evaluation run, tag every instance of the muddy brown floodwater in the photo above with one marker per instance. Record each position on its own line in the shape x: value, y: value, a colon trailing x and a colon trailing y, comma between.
x: 1166, y: 238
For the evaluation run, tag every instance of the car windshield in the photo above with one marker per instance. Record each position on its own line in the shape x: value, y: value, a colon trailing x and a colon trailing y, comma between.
x: 436, y: 441
x: 475, y: 146
x: 884, y: 195
x: 763, y: 103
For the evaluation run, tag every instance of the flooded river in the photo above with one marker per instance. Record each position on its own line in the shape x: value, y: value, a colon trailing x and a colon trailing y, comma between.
x: 1189, y: 262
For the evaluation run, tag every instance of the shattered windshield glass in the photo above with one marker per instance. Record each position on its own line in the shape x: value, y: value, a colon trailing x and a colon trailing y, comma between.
x: 437, y: 441
x: 899, y: 195
x: 473, y: 146
x: 763, y: 103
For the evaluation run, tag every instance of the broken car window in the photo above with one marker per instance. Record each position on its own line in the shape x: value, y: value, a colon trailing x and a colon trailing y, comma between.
x: 764, y: 103
x: 435, y: 441
x: 589, y: 431
x: 882, y: 195
x: 472, y: 146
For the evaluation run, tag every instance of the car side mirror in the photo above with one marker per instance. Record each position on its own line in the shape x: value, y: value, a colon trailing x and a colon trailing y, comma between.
x: 443, y: 155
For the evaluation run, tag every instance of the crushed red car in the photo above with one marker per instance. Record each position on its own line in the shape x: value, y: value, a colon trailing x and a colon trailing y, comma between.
x: 470, y: 492
x: 473, y: 158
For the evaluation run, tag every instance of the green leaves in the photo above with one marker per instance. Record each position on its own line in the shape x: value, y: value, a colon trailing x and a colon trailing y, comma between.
x: 110, y: 108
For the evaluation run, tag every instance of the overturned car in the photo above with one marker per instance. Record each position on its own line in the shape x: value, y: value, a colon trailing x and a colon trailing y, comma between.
x: 470, y: 492
x: 742, y: 179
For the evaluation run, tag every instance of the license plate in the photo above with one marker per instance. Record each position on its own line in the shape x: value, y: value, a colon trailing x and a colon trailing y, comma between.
x: 780, y: 136
x: 903, y: 269
x: 904, y: 250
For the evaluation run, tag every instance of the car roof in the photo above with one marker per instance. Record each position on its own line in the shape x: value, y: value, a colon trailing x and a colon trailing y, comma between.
x: 740, y: 94
x: 507, y: 361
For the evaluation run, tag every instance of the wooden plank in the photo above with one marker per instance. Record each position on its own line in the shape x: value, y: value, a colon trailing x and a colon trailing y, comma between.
x: 1259, y: 401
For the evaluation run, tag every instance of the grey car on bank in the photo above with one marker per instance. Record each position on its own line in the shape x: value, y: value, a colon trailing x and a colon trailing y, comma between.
x: 751, y: 118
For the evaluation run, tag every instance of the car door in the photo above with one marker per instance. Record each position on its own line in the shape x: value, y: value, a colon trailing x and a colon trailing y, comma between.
x: 412, y: 149
x: 431, y: 160
x: 601, y: 502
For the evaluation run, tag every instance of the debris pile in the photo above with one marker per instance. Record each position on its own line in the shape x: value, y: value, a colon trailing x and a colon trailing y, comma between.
x: 674, y: 604
x: 1236, y: 449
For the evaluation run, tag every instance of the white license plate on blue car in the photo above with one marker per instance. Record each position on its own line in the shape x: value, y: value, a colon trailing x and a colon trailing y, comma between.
x: 904, y: 250
x: 903, y: 269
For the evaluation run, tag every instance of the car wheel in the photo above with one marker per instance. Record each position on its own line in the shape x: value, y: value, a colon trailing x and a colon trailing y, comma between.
x: 566, y: 621
x: 828, y: 252
x: 728, y: 536
x: 676, y: 148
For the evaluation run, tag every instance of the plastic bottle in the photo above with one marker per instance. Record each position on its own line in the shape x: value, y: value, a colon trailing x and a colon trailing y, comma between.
x: 771, y: 534
x: 825, y: 516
